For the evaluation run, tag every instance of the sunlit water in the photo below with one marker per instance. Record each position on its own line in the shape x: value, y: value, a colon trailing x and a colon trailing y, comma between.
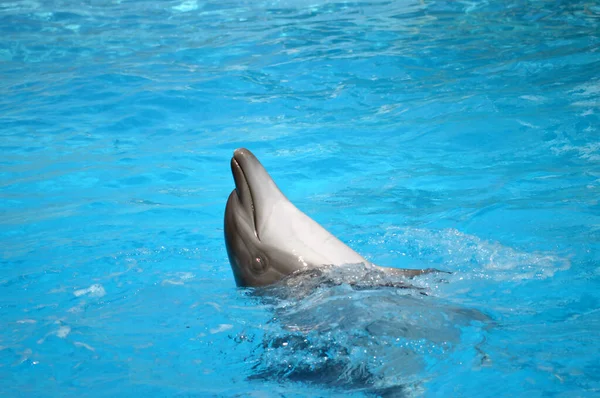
x: 456, y: 135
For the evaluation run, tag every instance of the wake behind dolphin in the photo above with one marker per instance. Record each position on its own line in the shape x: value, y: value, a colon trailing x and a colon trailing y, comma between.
x: 268, y: 238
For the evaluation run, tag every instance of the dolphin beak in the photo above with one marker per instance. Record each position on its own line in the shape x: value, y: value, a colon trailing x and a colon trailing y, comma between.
x: 242, y: 189
x: 241, y: 183
x: 255, y: 188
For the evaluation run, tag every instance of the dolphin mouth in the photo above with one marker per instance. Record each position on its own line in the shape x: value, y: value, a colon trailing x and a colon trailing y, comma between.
x: 242, y: 187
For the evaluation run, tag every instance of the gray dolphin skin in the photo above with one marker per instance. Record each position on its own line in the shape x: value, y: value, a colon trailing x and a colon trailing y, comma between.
x: 268, y: 238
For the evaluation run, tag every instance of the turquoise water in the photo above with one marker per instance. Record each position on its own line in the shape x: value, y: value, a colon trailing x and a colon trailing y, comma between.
x: 456, y: 135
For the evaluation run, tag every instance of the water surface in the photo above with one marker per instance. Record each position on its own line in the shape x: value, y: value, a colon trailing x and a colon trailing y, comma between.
x: 456, y: 135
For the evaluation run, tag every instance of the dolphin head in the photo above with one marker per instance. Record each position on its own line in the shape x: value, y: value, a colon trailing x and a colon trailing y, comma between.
x: 266, y: 236
x: 254, y: 262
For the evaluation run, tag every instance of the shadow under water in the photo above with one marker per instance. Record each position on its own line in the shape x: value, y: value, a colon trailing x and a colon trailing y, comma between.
x: 359, y: 329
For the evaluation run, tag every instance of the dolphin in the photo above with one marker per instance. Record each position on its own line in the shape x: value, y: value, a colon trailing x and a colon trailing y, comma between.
x: 268, y: 238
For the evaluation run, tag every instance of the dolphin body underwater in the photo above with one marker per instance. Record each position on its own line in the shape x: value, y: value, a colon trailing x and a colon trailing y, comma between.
x: 268, y: 238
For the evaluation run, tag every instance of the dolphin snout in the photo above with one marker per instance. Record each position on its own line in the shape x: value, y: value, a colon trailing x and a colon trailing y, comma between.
x: 241, y: 152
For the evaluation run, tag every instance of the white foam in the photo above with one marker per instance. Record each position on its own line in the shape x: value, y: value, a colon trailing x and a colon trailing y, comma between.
x: 86, y: 346
x: 186, y: 6
x: 527, y: 124
x: 181, y: 278
x: 450, y: 246
x: 221, y: 328
x: 534, y: 98
x: 588, y: 89
x: 171, y: 282
x: 63, y: 331
x: 95, y: 290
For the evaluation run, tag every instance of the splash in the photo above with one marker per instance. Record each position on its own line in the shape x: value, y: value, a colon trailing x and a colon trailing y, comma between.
x: 360, y: 329
x: 473, y: 257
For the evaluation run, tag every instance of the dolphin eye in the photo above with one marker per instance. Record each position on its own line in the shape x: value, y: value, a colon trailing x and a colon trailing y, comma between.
x: 259, y: 264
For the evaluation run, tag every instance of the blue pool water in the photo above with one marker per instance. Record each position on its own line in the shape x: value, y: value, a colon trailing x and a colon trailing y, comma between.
x: 460, y: 135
